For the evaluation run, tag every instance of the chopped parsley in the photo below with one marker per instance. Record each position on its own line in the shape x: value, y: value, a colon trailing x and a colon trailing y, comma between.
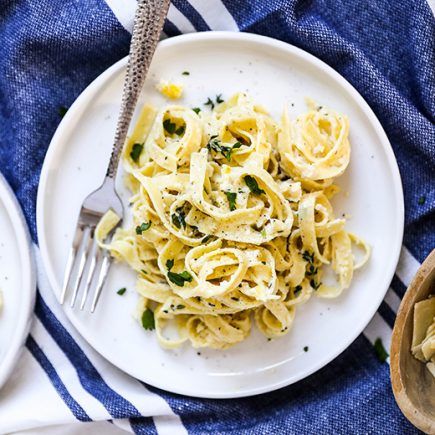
x: 315, y: 284
x: 380, y: 351
x: 121, y: 291
x: 148, y: 320
x: 196, y: 110
x: 144, y: 271
x: 263, y: 233
x: 308, y: 257
x: 311, y: 270
x: 180, y: 307
x: 212, y: 103
x: 206, y: 238
x: 177, y: 278
x: 298, y: 288
x: 136, y: 151
x: 421, y: 200
x: 180, y: 278
x: 215, y: 145
x: 178, y: 218
x: 169, y: 126
x: 143, y: 227
x: 194, y: 228
x: 306, y: 348
x: 209, y: 103
x: 61, y: 110
x: 251, y: 182
x: 180, y: 130
x: 231, y: 196
x: 185, y: 73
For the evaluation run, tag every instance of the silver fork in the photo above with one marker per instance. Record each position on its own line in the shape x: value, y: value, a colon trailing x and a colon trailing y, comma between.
x: 85, y: 256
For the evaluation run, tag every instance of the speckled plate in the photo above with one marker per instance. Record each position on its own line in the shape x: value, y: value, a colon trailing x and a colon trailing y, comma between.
x: 275, y: 74
x: 17, y: 280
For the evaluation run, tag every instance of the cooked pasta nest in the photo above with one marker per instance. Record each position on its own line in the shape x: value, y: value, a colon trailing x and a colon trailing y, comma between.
x: 232, y: 218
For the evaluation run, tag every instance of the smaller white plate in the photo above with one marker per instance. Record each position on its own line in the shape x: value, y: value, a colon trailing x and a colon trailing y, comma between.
x: 17, y: 280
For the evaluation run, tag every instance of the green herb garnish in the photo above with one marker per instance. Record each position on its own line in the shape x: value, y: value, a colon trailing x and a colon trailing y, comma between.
x: 143, y: 227
x: 421, y: 200
x: 380, y: 351
x: 263, y: 233
x: 209, y: 103
x: 308, y: 257
x: 177, y: 278
x: 251, y: 182
x: 121, y: 291
x: 178, y: 218
x: 311, y: 270
x: 180, y: 307
x: 185, y: 73
x: 180, y: 278
x: 180, y: 130
x: 315, y: 284
x: 237, y: 145
x: 169, y: 126
x: 61, y: 110
x: 144, y: 271
x: 148, y: 320
x: 196, y: 110
x: 306, y: 349
x: 298, y: 288
x: 136, y: 151
x: 215, y: 145
x: 206, y: 238
x: 231, y: 196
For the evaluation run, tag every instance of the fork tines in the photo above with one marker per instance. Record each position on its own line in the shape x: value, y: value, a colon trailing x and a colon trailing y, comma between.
x: 84, y: 260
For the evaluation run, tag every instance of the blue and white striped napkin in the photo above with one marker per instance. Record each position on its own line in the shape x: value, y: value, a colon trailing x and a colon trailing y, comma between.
x: 52, y: 49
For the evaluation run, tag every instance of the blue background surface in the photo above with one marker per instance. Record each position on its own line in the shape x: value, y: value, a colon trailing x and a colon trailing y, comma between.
x: 52, y: 49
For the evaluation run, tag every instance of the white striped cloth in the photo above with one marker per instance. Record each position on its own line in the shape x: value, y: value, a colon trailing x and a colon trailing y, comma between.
x: 21, y: 407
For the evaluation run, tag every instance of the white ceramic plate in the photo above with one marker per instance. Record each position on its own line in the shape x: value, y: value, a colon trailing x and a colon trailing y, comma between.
x: 275, y: 74
x: 17, y: 280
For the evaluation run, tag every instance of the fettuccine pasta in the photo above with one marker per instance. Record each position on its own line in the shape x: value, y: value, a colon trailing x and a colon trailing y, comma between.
x: 232, y: 218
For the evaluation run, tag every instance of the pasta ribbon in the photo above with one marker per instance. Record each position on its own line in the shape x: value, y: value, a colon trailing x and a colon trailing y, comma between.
x: 315, y: 146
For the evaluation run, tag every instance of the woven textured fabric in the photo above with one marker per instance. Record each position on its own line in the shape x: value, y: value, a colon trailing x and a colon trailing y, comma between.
x: 52, y: 49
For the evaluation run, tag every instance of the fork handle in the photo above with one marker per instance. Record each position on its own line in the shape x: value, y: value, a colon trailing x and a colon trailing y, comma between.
x: 148, y: 24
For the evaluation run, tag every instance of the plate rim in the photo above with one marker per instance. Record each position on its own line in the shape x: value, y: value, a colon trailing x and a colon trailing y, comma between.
x: 219, y: 36
x: 22, y: 234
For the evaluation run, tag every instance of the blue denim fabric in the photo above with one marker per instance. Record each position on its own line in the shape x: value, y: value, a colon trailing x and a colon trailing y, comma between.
x: 52, y: 49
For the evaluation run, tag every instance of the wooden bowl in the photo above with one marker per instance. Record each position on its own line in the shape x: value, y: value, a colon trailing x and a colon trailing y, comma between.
x: 413, y: 384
